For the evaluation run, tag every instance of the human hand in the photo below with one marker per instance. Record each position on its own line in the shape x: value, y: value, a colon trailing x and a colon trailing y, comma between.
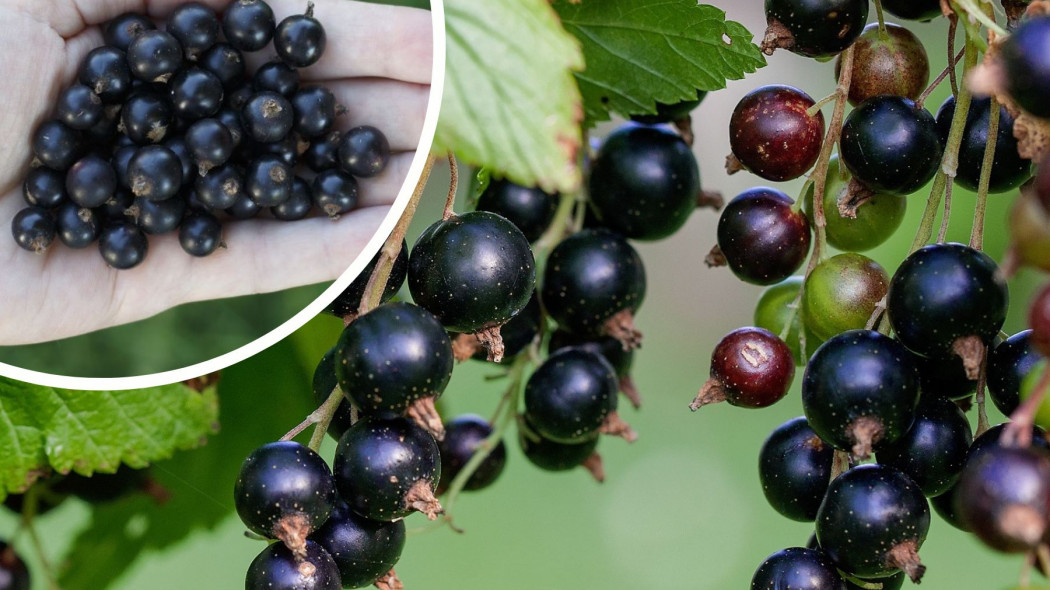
x: 377, y: 63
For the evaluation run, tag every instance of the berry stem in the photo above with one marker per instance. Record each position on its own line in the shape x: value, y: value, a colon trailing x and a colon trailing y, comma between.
x: 323, y: 416
x: 982, y: 381
x: 977, y: 233
x: 949, y: 70
x: 953, y: 25
x: 453, y: 186
x: 883, y: 35
x: 946, y: 217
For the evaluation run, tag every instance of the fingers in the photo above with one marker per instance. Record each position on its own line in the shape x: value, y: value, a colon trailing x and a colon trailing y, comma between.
x: 395, y: 108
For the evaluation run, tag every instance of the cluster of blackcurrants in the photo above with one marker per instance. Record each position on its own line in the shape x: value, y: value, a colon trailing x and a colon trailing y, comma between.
x: 165, y: 130
x: 865, y: 392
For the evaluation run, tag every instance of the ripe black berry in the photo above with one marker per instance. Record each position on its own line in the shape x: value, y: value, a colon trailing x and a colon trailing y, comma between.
x: 913, y: 9
x: 750, y: 368
x: 279, y: 568
x: 267, y: 116
x: 644, y: 182
x: 195, y: 27
x: 900, y: 162
x: 860, y: 389
x: 123, y: 245
x: 944, y: 377
x: 472, y: 271
x: 549, y: 455
x: 125, y: 28
x: 300, y: 39
x: 363, y: 549
x: 334, y: 192
x: 1008, y: 364
x: 571, y: 397
x: 610, y: 348
x: 105, y: 71
x: 154, y: 172
x: 933, y: 451
x: 763, y: 239
x: 244, y: 208
x: 873, y: 521
x: 794, y: 467
x: 147, y: 116
x: 56, y: 145
x: 227, y: 63
x: 91, y: 181
x: 158, y: 217
x: 284, y: 491
x: 200, y: 234
x: 387, y: 468
x: 392, y: 357
x: 14, y: 575
x: 593, y: 284
x: 78, y: 107
x: 299, y: 203
x: 276, y: 76
x: 196, y: 93
x: 813, y: 28
x: 348, y: 302
x: 797, y: 568
x: 78, y: 227
x: 1009, y: 169
x: 248, y: 24
x: 895, y: 64
x: 948, y: 299
x: 178, y: 146
x: 1025, y: 55
x: 232, y: 121
x: 529, y: 208
x: 323, y: 153
x: 518, y: 333
x: 464, y: 436
x: 268, y: 181
x: 44, y: 187
x: 221, y: 187
x: 154, y: 56
x: 314, y: 111
x: 772, y: 134
x: 209, y: 143
x: 364, y: 151
x: 33, y: 229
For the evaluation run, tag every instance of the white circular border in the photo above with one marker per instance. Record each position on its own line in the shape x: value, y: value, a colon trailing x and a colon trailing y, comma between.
x: 437, y: 83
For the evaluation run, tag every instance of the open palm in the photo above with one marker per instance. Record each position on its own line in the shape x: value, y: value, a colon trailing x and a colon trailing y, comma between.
x: 377, y: 63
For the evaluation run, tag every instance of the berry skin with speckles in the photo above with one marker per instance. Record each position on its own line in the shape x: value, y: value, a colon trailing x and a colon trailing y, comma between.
x: 764, y: 240
x: 571, y: 395
x: 794, y: 467
x: 363, y: 549
x: 797, y: 568
x: 772, y: 134
x: 278, y: 568
x: 750, y: 368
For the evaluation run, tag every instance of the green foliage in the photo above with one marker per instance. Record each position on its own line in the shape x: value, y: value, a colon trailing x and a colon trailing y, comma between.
x: 510, y: 102
x: 660, y: 52
x: 44, y: 430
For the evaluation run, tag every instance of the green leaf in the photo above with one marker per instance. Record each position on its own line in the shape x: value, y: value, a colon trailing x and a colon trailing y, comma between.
x: 45, y: 430
x: 510, y: 101
x: 660, y: 52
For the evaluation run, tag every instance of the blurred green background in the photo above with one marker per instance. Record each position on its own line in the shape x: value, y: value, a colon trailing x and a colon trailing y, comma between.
x: 681, y: 508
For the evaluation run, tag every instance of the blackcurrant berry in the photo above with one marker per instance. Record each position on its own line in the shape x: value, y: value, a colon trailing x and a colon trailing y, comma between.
x: 813, y: 28
x: 300, y: 39
x: 763, y: 239
x: 267, y: 116
x: 232, y: 121
x: 248, y: 24
x: 794, y: 467
x: 195, y: 27
x: 315, y: 111
x: 1024, y: 55
x: 44, y: 187
x: 644, y: 182
x: 324, y: 382
x: 158, y: 217
x: 772, y: 134
x: 948, y: 299
x: 900, y: 162
x: 279, y: 568
x: 571, y: 397
x: 227, y: 63
x: 750, y: 368
x: 348, y: 302
x: 913, y: 9
x: 894, y: 582
x: 154, y: 56
x: 529, y: 208
x: 147, y: 116
x: 104, y: 132
x: 944, y: 377
x: 196, y: 93
x: 221, y: 187
x: 892, y: 64
x: 860, y: 389
x: 91, y: 181
x: 873, y: 521
x: 1008, y: 364
x: 1009, y: 169
x: 78, y: 107
x: 549, y: 455
x: 841, y: 293
x: 610, y: 348
x: 57, y: 146
x: 14, y: 575
x: 797, y: 568
x: 200, y: 234
x: 276, y: 76
x: 323, y: 153
x: 122, y: 245
x: 34, y: 229
x: 334, y: 192
x: 518, y: 333
x: 933, y: 451
x: 181, y: 149
x: 244, y: 208
x: 209, y: 143
x: 154, y: 172
x: 284, y: 491
x: 387, y: 468
x: 268, y: 181
x: 125, y: 28
x: 465, y: 436
x: 287, y: 148
x: 116, y: 208
x: 299, y: 203
x: 1004, y: 496
x: 593, y: 284
x: 78, y: 227
x: 363, y: 549
x: 363, y: 151
x: 391, y: 358
x: 473, y: 271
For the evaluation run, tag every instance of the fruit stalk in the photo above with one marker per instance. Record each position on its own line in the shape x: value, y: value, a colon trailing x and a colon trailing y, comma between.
x: 977, y: 234
x: 453, y: 187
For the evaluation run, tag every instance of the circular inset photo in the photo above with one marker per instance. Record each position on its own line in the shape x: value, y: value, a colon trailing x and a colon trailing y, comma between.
x: 183, y: 179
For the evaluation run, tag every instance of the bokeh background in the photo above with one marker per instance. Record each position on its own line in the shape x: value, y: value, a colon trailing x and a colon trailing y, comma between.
x: 680, y: 509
